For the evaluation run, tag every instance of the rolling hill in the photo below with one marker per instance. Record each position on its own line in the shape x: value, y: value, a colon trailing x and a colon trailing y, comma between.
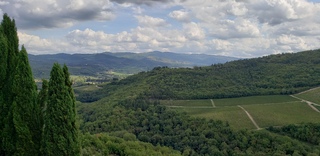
x: 95, y: 64
x: 269, y: 75
x: 133, y: 105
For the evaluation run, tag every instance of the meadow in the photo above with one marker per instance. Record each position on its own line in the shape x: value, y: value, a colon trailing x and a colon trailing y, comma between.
x: 273, y: 110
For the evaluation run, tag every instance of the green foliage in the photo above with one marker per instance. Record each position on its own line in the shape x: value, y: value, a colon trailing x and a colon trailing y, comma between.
x: 153, y: 123
x: 20, y: 129
x: 25, y: 109
x: 131, y: 104
x: 3, y: 71
x: 282, y: 114
x: 60, y: 130
x: 270, y: 75
x: 103, y: 144
x: 307, y: 132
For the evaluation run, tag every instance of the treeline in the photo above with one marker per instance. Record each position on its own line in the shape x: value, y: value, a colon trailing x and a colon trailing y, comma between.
x: 103, y: 144
x: 308, y: 132
x: 148, y: 121
x: 269, y: 75
x: 33, y: 123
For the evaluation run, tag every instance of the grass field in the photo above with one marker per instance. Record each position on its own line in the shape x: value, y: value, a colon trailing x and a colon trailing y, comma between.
x: 312, y: 95
x: 275, y: 110
x: 282, y: 114
x: 318, y: 107
x: 252, y: 100
x: 187, y: 103
x: 235, y: 116
x: 87, y: 88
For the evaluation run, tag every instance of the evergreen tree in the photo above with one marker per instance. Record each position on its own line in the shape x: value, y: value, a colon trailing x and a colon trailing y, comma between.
x: 10, y: 40
x: 20, y: 129
x: 60, y: 136
x: 43, y: 100
x: 75, y: 146
x: 3, y: 71
x: 25, y: 109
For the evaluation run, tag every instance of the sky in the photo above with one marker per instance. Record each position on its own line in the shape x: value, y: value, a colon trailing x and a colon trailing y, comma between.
x: 238, y: 28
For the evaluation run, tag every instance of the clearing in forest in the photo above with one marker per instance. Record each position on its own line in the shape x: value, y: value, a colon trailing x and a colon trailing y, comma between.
x: 273, y: 110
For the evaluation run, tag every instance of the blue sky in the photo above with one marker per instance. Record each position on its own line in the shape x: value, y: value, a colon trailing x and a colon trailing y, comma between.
x: 240, y: 28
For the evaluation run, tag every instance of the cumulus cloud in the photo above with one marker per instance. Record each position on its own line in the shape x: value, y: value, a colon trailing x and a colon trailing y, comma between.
x: 150, y: 21
x: 193, y: 31
x: 242, y: 28
x: 38, y: 45
x: 181, y: 15
x: 56, y: 13
x: 139, y: 2
x: 276, y: 12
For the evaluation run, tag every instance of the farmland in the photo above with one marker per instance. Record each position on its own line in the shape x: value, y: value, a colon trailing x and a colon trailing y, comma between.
x: 273, y: 110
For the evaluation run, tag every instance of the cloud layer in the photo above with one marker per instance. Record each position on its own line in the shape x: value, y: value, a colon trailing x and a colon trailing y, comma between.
x: 235, y: 28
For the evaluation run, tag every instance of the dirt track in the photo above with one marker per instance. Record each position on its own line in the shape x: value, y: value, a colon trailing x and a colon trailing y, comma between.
x: 250, y: 117
x: 308, y: 102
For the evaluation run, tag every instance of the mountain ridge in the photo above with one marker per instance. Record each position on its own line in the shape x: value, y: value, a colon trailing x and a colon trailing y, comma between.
x: 130, y: 63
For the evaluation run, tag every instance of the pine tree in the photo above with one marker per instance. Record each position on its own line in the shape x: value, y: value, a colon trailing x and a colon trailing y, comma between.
x: 60, y: 136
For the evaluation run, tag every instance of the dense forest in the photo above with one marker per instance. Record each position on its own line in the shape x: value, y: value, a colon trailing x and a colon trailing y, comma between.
x: 150, y: 122
x: 269, y: 75
x: 131, y: 105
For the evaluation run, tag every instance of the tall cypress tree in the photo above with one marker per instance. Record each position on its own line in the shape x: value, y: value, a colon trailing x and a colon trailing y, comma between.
x: 9, y: 32
x: 60, y: 136
x: 25, y: 109
x: 3, y: 71
x: 74, y: 144
x: 42, y: 100
x: 19, y: 119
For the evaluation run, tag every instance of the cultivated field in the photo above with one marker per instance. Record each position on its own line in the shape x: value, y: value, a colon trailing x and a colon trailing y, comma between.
x: 275, y: 110
x: 187, y: 103
x: 311, y: 95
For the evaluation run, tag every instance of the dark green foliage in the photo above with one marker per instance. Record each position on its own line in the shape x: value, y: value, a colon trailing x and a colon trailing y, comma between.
x: 103, y: 144
x: 3, y: 71
x: 42, y: 101
x: 20, y: 129
x: 153, y: 123
x: 308, y: 132
x: 270, y: 75
x: 60, y: 131
x: 25, y: 109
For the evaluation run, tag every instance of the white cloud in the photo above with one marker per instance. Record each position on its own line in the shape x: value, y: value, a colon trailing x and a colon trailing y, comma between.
x: 193, y: 31
x: 36, y: 45
x: 247, y: 28
x: 180, y: 15
x: 56, y: 13
x: 150, y: 21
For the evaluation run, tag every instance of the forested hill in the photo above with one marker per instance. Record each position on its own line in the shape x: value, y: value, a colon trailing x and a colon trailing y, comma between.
x: 130, y: 63
x: 275, y: 74
x: 128, y: 107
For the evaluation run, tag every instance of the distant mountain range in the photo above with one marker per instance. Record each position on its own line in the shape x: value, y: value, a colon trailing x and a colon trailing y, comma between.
x: 130, y: 63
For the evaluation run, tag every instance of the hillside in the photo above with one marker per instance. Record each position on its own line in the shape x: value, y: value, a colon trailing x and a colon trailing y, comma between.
x: 269, y: 75
x: 97, y: 64
x: 132, y: 105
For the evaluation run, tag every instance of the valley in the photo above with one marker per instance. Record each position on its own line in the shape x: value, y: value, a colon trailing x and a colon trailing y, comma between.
x: 207, y: 110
